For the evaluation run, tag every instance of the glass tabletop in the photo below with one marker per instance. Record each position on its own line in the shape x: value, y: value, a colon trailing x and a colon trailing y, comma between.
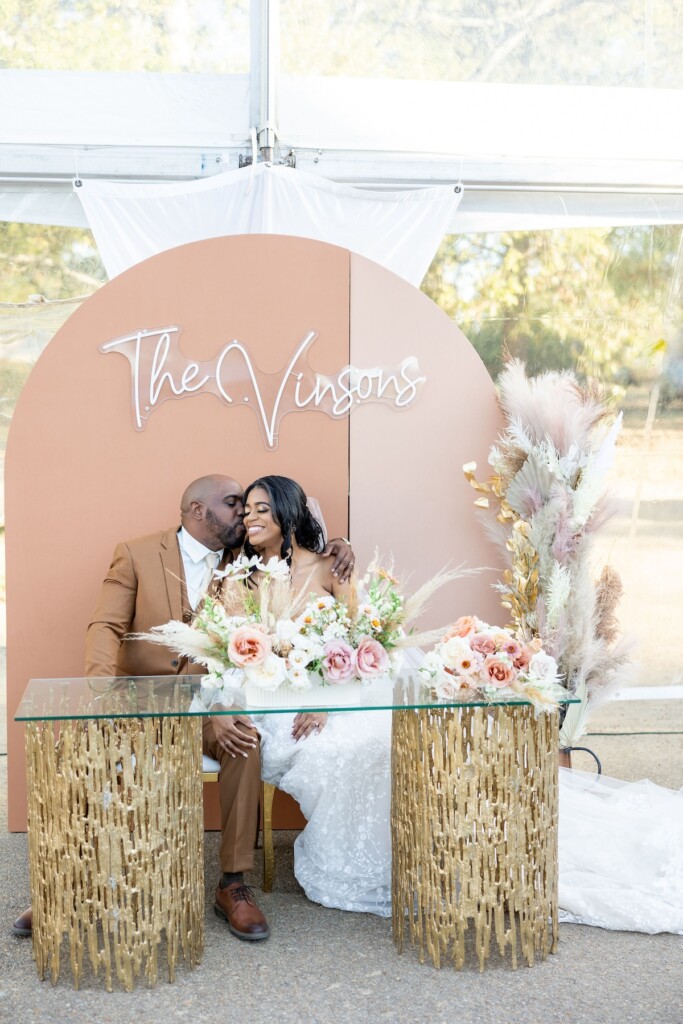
x: 173, y: 696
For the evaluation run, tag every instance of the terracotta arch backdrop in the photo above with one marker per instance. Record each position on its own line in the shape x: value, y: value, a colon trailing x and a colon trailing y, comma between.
x: 79, y: 476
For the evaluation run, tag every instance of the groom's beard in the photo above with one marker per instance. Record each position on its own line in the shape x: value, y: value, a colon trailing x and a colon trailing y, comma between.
x: 232, y: 536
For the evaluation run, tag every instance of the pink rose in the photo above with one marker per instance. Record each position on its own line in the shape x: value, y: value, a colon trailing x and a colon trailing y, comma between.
x: 524, y: 657
x: 498, y: 673
x: 248, y: 646
x: 483, y: 642
x: 371, y: 658
x: 339, y: 661
x: 463, y: 626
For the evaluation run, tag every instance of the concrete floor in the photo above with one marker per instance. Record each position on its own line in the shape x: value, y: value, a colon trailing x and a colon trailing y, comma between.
x: 329, y: 966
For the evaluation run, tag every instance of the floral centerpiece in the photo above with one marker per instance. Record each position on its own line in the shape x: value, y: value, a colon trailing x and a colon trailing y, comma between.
x: 274, y: 638
x: 482, y: 661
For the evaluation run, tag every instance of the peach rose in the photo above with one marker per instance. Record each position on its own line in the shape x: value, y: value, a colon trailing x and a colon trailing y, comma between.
x: 463, y: 626
x: 339, y: 661
x: 248, y: 646
x: 483, y: 642
x: 498, y: 672
x: 371, y: 658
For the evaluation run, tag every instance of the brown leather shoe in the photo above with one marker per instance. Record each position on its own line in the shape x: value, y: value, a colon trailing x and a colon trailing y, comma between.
x: 235, y: 904
x: 23, y: 925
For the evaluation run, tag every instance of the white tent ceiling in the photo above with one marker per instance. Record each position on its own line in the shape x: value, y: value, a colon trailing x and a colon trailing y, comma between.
x: 528, y: 155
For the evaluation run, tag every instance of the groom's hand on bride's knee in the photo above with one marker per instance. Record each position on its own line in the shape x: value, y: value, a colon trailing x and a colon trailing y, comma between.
x: 344, y: 559
x: 235, y: 734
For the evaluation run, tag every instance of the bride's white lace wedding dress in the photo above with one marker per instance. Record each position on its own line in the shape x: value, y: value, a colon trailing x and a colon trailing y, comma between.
x: 620, y: 853
x: 341, y: 778
x: 620, y: 844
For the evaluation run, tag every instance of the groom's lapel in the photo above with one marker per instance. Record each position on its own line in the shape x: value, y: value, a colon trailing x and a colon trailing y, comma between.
x: 174, y: 575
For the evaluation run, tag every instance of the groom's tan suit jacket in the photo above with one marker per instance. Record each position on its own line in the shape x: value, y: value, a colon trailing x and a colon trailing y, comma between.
x: 144, y: 587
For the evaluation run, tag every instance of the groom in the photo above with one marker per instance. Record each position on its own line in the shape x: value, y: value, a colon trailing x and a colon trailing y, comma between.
x: 164, y: 576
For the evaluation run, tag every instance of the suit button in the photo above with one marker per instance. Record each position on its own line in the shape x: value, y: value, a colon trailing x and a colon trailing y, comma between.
x: 174, y: 663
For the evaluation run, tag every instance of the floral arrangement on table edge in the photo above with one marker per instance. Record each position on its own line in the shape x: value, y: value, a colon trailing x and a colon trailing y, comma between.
x: 546, y: 502
x: 474, y: 658
x: 277, y: 636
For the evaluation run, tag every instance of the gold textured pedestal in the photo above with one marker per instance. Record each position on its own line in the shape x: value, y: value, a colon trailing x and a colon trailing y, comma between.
x: 116, y: 845
x: 474, y: 831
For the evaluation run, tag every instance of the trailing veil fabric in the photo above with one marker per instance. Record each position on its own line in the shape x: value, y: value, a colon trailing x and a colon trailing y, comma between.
x: 399, y: 230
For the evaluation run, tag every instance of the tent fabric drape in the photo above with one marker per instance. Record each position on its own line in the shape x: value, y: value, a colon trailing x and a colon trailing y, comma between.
x: 400, y: 230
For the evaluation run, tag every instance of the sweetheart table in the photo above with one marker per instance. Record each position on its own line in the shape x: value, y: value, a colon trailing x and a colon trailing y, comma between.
x: 116, y: 837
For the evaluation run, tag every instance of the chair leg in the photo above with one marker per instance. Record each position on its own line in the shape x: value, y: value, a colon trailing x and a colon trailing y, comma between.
x: 267, y: 794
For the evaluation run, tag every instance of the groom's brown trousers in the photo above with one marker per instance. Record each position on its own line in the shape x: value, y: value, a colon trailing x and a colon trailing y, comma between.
x: 239, y: 789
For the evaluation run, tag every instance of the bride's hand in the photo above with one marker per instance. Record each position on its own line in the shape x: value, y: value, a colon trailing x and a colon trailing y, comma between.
x: 307, y: 722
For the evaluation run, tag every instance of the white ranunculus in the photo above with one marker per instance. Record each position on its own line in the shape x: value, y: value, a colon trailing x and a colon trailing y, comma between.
x: 299, y: 679
x: 269, y: 674
x: 298, y: 659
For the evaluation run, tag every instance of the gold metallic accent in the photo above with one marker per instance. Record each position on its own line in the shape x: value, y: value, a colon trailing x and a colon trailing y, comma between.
x: 267, y: 794
x: 520, y: 583
x: 474, y: 831
x: 116, y: 845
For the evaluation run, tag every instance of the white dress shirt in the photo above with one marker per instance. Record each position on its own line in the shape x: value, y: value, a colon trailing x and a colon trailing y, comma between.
x: 193, y: 554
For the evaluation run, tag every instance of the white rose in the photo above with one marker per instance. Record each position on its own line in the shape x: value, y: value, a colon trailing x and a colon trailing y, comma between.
x: 454, y: 650
x: 269, y: 674
x: 432, y: 664
x: 446, y: 687
x: 543, y: 668
x: 285, y: 630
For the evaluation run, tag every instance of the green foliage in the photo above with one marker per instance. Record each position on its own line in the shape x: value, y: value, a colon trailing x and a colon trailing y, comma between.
x: 561, y: 42
x: 13, y: 376
x: 572, y: 42
x: 125, y: 35
x: 55, y: 262
x: 592, y: 300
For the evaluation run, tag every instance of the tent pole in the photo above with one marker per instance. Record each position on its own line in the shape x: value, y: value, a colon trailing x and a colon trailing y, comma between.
x: 265, y: 73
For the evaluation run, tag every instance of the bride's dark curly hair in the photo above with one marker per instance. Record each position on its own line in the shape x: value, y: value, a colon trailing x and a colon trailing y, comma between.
x: 291, y: 513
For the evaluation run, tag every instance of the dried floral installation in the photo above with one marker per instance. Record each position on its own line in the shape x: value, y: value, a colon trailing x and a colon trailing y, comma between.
x: 546, y: 501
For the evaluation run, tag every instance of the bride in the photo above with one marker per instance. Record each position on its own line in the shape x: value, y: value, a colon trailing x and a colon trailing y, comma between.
x: 336, y: 765
x: 620, y: 844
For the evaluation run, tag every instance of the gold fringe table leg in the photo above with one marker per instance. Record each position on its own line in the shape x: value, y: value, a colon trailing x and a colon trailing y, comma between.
x: 474, y: 831
x: 116, y: 845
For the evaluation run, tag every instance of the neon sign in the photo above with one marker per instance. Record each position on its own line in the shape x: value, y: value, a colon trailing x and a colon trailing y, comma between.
x: 160, y: 371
